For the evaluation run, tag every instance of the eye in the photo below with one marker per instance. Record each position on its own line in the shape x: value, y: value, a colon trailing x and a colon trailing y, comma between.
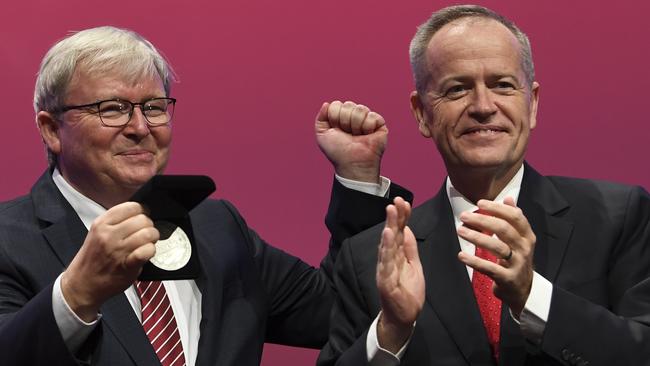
x: 456, y: 91
x: 155, y: 107
x: 504, y: 86
x: 113, y: 108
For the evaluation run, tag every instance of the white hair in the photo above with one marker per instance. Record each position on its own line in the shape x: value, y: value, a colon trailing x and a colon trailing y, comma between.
x: 97, y: 50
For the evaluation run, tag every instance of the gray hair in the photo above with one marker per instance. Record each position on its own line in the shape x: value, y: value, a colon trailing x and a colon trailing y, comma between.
x: 442, y: 17
x: 98, y: 51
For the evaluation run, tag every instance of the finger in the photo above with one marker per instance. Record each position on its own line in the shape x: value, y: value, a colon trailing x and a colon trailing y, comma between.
x: 322, y: 112
x: 489, y: 242
x: 410, y: 246
x: 489, y: 225
x: 333, y: 113
x: 131, y: 225
x: 517, y: 233
x: 373, y: 122
x: 322, y: 124
x: 386, y: 253
x: 490, y: 269
x: 141, y: 237
x: 403, y: 212
x: 510, y: 213
x: 121, y: 212
x: 391, y: 217
x: 138, y: 257
x: 357, y: 117
x: 344, y: 116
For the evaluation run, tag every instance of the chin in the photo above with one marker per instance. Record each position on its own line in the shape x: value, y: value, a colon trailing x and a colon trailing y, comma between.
x: 483, y: 162
x: 137, y: 178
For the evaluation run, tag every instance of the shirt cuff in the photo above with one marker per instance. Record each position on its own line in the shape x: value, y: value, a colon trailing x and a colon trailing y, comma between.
x: 535, y: 314
x: 73, y: 329
x: 378, y: 356
x: 375, y: 189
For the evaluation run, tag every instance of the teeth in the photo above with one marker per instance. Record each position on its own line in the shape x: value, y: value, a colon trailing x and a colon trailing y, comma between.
x: 484, y: 132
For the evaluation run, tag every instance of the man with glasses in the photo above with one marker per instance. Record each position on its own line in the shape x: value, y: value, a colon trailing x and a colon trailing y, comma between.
x: 71, y: 251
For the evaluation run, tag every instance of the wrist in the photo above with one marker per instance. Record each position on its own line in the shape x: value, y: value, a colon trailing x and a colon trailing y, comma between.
x: 83, y: 306
x: 392, y: 336
x: 359, y: 172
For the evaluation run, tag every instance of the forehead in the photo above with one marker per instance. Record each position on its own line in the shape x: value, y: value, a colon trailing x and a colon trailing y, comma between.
x: 113, y: 83
x: 471, y: 40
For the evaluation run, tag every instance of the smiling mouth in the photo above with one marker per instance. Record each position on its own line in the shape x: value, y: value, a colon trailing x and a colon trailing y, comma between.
x: 136, y: 152
x: 137, y: 156
x: 483, y: 132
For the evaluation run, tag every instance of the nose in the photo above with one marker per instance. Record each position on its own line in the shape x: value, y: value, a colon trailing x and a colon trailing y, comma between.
x: 137, y: 126
x: 482, y: 105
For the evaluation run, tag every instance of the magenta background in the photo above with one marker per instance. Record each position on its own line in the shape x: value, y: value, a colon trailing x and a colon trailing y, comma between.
x: 254, y: 73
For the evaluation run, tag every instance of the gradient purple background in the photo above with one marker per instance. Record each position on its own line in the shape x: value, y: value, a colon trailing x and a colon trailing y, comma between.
x: 254, y: 73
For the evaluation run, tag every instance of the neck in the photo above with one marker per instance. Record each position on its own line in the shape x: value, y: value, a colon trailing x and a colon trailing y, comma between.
x: 107, y: 195
x: 481, y: 183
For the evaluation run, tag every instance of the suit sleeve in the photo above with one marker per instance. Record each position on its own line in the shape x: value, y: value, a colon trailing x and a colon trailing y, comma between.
x: 300, y: 296
x: 579, y: 332
x: 350, y: 317
x: 351, y: 212
x: 29, y: 334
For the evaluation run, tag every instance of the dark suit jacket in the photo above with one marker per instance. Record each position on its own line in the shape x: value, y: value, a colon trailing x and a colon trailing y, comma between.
x: 593, y: 244
x: 251, y: 292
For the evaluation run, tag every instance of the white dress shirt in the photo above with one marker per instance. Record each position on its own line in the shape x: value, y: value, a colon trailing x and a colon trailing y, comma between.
x: 535, y: 314
x: 184, y: 295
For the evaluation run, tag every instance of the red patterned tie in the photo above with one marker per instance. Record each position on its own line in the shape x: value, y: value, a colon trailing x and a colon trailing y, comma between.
x: 159, y: 323
x: 488, y: 304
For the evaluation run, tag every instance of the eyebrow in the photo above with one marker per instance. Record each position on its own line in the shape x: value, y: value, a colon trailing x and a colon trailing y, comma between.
x: 464, y: 78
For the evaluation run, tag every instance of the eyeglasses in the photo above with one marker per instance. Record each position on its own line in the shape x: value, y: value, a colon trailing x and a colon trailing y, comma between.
x: 118, y: 112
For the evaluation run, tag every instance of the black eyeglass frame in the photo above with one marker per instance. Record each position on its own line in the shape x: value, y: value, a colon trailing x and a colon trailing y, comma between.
x: 133, y: 105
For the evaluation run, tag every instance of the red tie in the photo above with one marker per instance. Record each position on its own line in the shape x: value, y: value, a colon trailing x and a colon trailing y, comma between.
x: 159, y: 323
x: 488, y: 304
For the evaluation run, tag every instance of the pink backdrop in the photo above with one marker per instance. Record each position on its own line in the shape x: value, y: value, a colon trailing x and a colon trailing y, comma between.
x: 254, y: 73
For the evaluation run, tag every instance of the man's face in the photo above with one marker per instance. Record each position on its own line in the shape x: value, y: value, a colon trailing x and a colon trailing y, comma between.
x: 478, y: 107
x: 108, y: 163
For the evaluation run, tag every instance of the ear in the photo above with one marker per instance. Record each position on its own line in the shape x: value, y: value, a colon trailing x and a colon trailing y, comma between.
x: 534, y: 100
x: 418, y: 112
x: 49, y: 129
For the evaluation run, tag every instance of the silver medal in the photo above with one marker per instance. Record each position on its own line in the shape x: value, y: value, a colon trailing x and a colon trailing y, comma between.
x: 173, y: 252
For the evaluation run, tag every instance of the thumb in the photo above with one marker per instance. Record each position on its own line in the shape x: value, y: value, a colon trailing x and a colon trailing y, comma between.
x: 322, y: 113
x: 322, y: 123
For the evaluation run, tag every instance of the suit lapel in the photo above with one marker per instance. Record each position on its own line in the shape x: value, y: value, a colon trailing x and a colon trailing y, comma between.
x: 61, y: 226
x: 448, y: 288
x: 211, y: 287
x: 120, y: 319
x: 65, y: 233
x: 542, y: 205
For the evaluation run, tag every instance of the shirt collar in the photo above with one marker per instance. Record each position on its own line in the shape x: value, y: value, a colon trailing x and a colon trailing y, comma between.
x: 87, y: 209
x: 460, y: 204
